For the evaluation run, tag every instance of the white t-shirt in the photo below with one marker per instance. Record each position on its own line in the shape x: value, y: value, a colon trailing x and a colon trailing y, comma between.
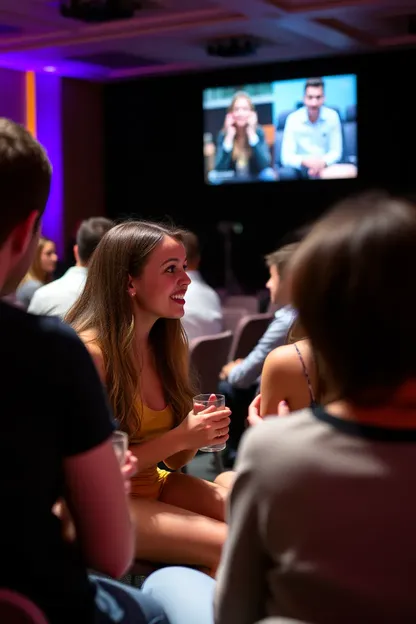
x: 203, y: 311
x: 58, y: 297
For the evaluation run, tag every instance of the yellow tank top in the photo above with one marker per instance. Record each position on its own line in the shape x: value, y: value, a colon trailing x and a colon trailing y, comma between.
x: 154, y: 423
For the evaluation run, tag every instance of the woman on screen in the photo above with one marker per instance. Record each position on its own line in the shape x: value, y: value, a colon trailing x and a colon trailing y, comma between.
x: 242, y: 151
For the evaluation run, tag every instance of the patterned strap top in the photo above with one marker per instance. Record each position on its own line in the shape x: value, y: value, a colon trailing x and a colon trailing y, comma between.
x: 313, y: 402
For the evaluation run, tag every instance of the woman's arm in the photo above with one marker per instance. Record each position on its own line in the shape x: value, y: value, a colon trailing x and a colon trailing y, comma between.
x: 178, y: 460
x: 223, y: 154
x: 274, y: 380
x: 169, y: 447
x: 172, y: 447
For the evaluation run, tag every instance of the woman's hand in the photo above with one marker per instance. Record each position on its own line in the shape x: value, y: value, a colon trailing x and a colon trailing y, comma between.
x: 252, y: 121
x: 229, y: 126
x: 128, y: 470
x: 254, y: 417
x: 251, y: 127
x: 209, y: 426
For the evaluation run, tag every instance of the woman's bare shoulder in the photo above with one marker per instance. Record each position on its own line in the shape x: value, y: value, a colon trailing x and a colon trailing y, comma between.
x: 285, y: 355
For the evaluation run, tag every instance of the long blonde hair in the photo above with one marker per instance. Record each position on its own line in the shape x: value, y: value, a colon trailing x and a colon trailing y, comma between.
x: 106, y: 308
x: 241, y: 152
x: 36, y: 272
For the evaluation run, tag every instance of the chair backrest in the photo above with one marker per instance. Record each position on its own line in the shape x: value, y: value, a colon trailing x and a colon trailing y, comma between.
x: 248, y: 302
x: 247, y: 334
x: 17, y: 609
x: 231, y: 317
x: 208, y: 355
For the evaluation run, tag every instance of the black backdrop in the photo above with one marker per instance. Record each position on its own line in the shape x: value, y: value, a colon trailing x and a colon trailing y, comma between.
x: 154, y: 161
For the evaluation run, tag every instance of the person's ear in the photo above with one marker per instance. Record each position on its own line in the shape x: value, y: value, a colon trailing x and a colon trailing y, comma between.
x: 76, y: 253
x: 131, y: 289
x: 24, y: 232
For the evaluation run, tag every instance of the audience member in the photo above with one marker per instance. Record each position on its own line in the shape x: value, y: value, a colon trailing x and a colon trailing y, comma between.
x: 240, y: 379
x: 41, y: 271
x: 56, y: 441
x: 129, y: 318
x: 321, y: 508
x: 56, y: 298
x: 203, y: 311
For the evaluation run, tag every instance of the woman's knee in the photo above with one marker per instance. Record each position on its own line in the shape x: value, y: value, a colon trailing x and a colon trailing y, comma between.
x: 226, y: 479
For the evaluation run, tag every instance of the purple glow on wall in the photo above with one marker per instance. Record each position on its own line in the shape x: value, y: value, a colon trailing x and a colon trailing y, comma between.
x: 42, y: 61
x: 13, y: 96
x: 49, y: 133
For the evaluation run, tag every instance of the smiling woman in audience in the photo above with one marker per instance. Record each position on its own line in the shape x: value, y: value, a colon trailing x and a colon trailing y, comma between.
x: 129, y: 318
x: 321, y: 522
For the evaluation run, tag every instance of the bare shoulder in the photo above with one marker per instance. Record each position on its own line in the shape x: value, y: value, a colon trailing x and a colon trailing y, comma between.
x: 282, y: 359
x: 89, y: 338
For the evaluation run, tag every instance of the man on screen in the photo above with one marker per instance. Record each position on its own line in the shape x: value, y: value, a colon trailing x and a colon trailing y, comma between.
x: 312, y: 138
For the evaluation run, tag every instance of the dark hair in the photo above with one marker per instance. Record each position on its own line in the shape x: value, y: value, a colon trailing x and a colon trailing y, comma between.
x: 25, y: 176
x: 353, y: 287
x: 191, y: 243
x: 89, y: 234
x: 281, y: 257
x: 315, y: 82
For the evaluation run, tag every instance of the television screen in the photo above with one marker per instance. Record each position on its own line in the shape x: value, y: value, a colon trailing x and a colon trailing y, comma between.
x: 284, y: 130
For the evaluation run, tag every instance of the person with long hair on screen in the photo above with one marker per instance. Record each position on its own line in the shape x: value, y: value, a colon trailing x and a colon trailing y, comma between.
x: 242, y: 152
x: 129, y: 318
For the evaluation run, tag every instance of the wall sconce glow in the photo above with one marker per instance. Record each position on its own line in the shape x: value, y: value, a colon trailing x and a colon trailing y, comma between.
x: 31, y: 117
x: 50, y: 69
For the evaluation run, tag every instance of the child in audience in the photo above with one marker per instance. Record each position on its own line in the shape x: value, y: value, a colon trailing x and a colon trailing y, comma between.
x: 129, y: 318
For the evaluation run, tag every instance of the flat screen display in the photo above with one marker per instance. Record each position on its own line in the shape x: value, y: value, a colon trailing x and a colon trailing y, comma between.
x: 300, y: 129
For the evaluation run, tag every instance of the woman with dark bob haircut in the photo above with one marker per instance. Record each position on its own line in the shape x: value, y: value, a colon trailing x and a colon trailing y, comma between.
x: 323, y: 508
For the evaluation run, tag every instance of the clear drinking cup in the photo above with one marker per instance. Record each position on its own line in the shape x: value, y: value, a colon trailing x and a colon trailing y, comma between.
x: 120, y: 442
x: 201, y: 402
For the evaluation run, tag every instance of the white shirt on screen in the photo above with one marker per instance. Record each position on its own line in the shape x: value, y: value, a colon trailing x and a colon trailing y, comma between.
x: 203, y: 311
x: 58, y: 297
x: 302, y: 137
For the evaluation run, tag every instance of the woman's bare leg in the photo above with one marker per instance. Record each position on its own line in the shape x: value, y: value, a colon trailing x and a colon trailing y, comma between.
x: 201, y: 497
x: 226, y: 480
x: 168, y: 534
